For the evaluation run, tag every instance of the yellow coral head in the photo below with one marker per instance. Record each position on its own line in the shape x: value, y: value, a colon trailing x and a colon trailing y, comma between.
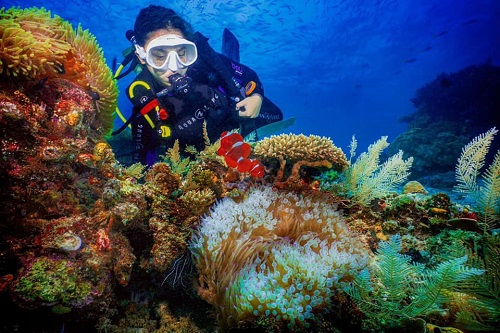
x: 274, y: 254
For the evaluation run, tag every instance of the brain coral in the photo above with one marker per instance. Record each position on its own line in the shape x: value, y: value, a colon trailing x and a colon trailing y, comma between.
x: 298, y: 147
x: 274, y: 254
x: 35, y: 45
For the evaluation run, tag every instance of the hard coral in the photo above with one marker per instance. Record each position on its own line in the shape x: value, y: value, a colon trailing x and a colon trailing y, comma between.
x: 274, y: 254
x: 298, y: 147
x: 300, y: 150
x: 35, y: 45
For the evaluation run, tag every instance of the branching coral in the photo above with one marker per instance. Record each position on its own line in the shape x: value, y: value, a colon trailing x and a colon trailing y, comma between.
x: 35, y: 45
x: 274, y: 254
x: 310, y: 150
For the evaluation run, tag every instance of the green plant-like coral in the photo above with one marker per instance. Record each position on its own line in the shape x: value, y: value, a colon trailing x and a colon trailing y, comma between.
x: 481, y: 312
x: 366, y: 179
x: 486, y: 193
x: 394, y: 289
x: 50, y: 281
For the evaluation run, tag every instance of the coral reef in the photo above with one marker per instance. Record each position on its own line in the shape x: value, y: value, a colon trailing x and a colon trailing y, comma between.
x: 451, y: 110
x: 274, y: 254
x: 40, y: 47
x: 104, y: 247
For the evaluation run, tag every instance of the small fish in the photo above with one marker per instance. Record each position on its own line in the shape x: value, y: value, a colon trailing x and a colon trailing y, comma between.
x: 41, y: 83
x: 236, y: 152
x: 441, y: 33
x: 233, y: 148
x: 471, y: 21
x: 252, y: 166
x: 93, y: 94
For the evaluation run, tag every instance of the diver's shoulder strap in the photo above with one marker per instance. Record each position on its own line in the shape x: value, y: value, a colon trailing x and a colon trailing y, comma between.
x: 214, y: 60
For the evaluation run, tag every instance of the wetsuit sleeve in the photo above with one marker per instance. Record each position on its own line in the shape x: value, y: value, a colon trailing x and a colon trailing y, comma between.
x: 244, y: 74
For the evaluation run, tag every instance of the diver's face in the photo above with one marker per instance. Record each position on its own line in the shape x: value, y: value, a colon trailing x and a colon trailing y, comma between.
x: 162, y: 75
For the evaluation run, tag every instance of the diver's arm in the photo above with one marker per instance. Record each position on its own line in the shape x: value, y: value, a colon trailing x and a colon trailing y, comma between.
x: 250, y: 106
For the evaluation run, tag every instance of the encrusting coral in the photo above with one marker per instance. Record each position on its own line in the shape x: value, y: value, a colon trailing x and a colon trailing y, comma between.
x: 37, y: 46
x: 274, y: 254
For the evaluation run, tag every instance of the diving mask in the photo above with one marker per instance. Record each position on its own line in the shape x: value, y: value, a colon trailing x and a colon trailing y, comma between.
x: 168, y: 52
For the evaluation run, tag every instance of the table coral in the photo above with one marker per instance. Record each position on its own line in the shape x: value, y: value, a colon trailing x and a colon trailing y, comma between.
x: 274, y: 254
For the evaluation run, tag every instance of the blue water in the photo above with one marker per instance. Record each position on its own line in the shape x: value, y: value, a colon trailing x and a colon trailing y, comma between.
x: 342, y: 68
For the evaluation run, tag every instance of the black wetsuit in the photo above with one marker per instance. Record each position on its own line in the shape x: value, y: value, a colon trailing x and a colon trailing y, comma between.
x: 208, y: 99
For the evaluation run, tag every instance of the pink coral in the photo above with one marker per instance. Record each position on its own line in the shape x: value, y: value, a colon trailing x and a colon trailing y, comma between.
x: 103, y: 241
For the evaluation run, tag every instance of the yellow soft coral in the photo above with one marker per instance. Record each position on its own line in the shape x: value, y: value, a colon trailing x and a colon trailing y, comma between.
x: 35, y: 45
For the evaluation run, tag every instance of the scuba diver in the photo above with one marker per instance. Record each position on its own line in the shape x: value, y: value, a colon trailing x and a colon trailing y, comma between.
x: 184, y: 84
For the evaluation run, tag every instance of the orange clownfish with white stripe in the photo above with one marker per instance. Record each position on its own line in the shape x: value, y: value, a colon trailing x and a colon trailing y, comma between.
x: 236, y: 152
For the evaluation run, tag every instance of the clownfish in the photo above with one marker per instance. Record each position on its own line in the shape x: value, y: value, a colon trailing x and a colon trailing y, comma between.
x: 236, y: 152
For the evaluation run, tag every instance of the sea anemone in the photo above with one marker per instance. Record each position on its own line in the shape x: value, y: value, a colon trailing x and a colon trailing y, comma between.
x: 36, y: 45
x: 274, y: 254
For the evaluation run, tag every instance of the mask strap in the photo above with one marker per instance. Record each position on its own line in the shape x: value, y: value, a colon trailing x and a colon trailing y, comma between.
x: 140, y: 51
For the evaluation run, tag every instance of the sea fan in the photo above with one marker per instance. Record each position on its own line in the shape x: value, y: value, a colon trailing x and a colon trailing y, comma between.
x: 472, y: 160
x: 366, y: 179
x: 486, y: 194
x: 488, y: 201
x: 481, y: 312
x: 395, y: 289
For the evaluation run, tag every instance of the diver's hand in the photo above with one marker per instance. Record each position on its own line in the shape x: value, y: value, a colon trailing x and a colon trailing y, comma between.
x: 250, y: 106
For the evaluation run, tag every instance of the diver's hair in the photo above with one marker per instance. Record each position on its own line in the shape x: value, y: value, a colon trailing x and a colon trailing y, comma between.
x: 154, y: 18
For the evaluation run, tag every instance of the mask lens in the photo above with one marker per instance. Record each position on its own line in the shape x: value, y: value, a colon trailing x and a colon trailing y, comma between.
x: 171, y: 53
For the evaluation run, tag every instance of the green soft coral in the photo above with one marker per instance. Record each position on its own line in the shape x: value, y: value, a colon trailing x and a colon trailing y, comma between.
x: 366, y: 179
x: 395, y: 289
x: 486, y: 192
x: 50, y: 281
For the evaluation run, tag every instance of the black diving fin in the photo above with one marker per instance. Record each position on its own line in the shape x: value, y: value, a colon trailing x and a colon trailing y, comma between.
x: 270, y: 129
x: 230, y: 45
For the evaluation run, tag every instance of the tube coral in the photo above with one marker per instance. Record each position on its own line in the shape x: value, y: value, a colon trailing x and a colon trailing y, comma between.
x: 35, y: 45
x: 274, y: 254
